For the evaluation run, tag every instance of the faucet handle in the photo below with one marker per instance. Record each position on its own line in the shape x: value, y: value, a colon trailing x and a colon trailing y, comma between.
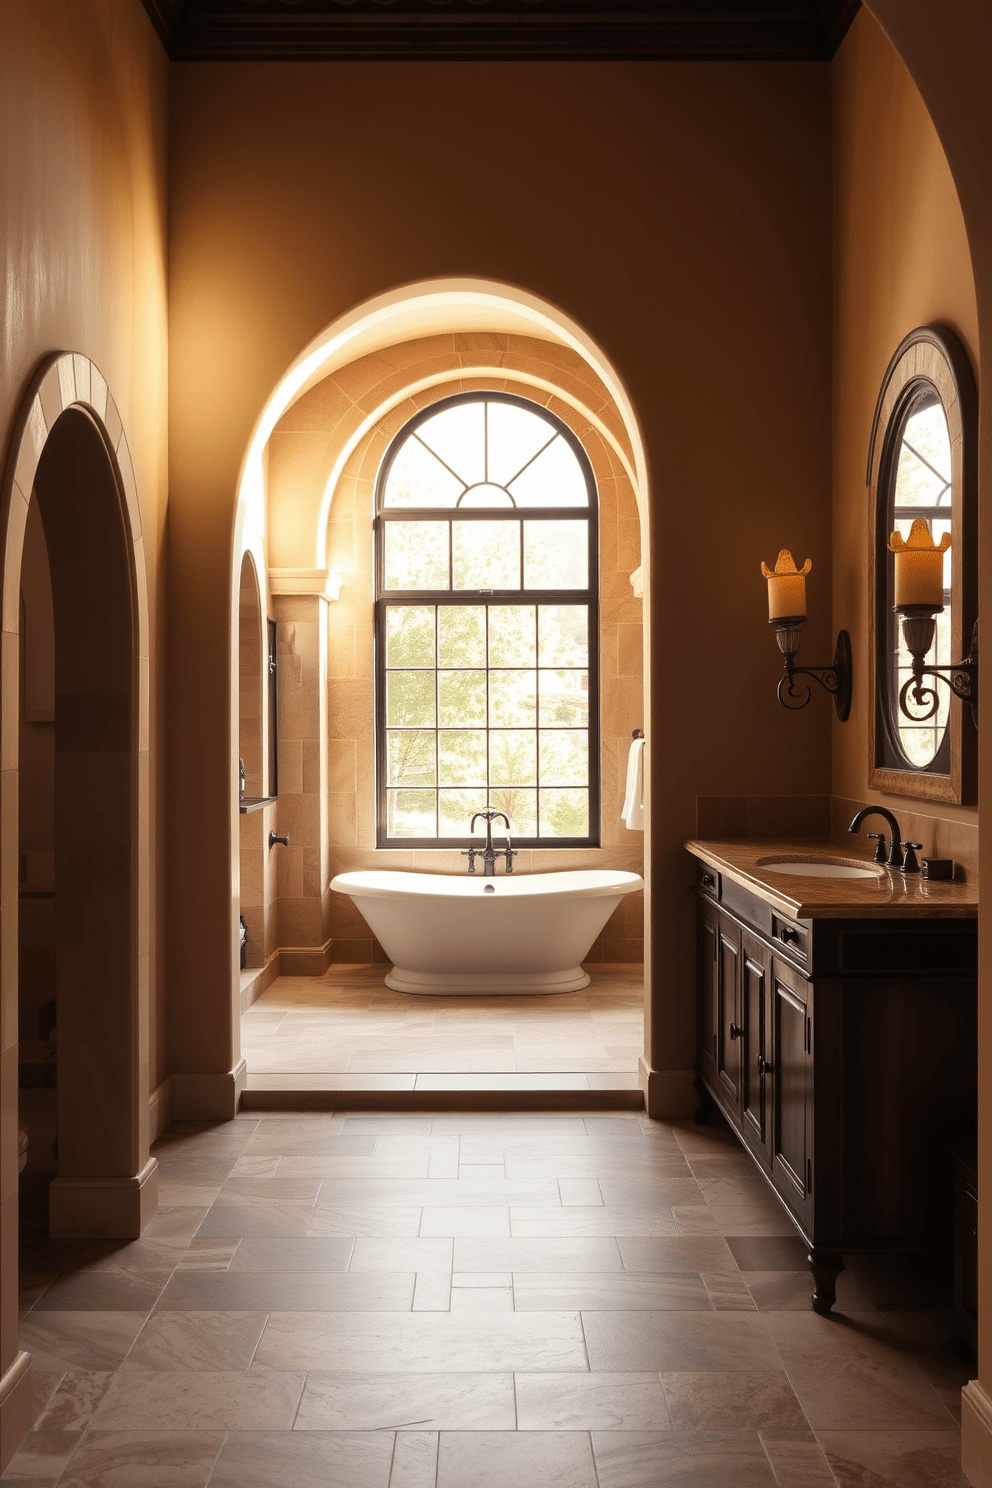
x: 510, y: 852
x: 910, y: 863
x: 470, y: 853
x: 881, y: 855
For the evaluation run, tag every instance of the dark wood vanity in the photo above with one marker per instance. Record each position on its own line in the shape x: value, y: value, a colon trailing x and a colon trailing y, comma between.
x: 837, y: 1034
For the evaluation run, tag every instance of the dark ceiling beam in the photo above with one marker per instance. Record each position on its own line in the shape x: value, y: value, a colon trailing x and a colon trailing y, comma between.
x: 548, y: 30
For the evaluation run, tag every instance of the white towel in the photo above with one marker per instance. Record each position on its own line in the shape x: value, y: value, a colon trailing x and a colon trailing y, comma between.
x: 633, y: 803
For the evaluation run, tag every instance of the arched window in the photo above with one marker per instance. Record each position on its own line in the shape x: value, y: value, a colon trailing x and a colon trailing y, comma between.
x: 486, y: 627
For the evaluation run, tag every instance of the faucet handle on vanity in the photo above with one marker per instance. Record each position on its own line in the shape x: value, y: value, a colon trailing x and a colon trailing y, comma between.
x: 910, y: 862
x: 881, y: 853
x: 510, y: 853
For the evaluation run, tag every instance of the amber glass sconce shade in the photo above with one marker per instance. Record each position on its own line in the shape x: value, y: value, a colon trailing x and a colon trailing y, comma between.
x: 919, y: 598
x: 787, y: 613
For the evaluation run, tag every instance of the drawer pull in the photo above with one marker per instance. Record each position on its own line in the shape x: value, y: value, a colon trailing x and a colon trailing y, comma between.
x: 706, y: 880
x: 788, y: 935
x: 736, y: 1031
x: 764, y: 1068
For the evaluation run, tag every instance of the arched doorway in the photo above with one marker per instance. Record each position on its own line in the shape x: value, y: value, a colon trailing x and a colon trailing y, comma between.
x: 70, y: 459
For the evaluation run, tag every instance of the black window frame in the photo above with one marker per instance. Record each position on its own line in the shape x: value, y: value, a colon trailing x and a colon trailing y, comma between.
x: 589, y: 598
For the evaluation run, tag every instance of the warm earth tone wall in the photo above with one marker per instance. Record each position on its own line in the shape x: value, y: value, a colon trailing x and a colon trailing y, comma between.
x: 901, y: 260
x: 304, y: 449
x: 83, y: 116
x: 680, y: 214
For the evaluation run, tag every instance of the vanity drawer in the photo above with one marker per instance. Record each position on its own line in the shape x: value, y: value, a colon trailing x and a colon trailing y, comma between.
x: 707, y: 880
x: 792, y: 937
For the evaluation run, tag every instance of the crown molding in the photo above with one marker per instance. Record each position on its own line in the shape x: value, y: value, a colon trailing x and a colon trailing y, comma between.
x: 500, y: 30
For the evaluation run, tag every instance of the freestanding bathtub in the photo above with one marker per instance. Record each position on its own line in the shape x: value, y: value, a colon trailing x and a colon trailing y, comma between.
x: 466, y: 934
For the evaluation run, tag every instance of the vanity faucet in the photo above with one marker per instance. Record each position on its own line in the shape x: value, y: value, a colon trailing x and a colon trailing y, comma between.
x: 894, y: 859
x: 488, y: 854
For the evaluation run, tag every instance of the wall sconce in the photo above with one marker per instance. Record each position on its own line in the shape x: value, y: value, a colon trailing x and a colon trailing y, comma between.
x: 787, y: 612
x: 919, y: 598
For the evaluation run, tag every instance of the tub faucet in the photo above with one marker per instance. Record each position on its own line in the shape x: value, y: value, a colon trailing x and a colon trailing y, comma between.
x: 510, y: 854
x: 488, y: 853
x: 894, y: 859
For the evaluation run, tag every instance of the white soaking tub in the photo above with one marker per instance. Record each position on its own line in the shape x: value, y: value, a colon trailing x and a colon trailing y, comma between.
x: 464, y: 934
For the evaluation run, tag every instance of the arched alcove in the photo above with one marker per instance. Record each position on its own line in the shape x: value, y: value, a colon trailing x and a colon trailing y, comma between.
x: 70, y: 458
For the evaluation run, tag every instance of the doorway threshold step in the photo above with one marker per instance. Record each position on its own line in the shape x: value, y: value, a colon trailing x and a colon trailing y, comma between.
x: 318, y: 1091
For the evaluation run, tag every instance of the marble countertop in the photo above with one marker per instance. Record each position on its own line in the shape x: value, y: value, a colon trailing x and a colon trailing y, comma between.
x: 890, y: 895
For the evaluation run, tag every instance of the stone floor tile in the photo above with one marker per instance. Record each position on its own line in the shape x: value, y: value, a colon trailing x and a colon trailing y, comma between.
x: 464, y: 1222
x: 894, y: 1459
x: 766, y: 1218
x: 611, y: 1293
x: 526, y: 1459
x: 798, y: 1464
x: 735, y: 1400
x: 790, y: 1291
x: 353, y: 1220
x: 208, y: 1255
x: 414, y: 1460
x: 282, y: 1185
x: 532, y: 1223
x: 307, y: 1253
x: 431, y: 1341
x: 102, y: 1291
x: 850, y: 1373
x: 144, y: 1459
x: 518, y: 1256
x: 664, y: 1253
x: 187, y: 1399
x: 680, y: 1459
x: 398, y: 1402
x: 304, y: 1459
x: 482, y: 1299
x: 590, y: 1402
x: 782, y: 1252
x: 79, y: 1340
x: 579, y: 1192
x: 257, y: 1217
x: 288, y: 1291
x: 197, y: 1340
x: 672, y: 1341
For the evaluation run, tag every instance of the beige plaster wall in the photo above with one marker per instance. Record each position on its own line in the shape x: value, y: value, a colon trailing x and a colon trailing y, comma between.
x: 83, y: 121
x: 901, y: 259
x: 303, y: 451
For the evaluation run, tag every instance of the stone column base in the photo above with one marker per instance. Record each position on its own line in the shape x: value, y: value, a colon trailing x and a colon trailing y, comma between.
x: 208, y: 1097
x: 104, y: 1208
x: 976, y: 1434
x: 669, y: 1095
x: 19, y: 1406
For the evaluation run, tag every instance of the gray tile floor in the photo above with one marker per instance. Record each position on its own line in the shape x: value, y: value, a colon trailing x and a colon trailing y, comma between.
x: 349, y: 1022
x: 474, y: 1301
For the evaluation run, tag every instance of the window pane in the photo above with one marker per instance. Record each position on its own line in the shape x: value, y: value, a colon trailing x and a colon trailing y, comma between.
x: 409, y: 699
x: 564, y: 813
x: 519, y: 805
x: 486, y: 555
x: 554, y: 479
x: 564, y: 635
x: 923, y: 477
x: 512, y: 758
x: 457, y: 436
x: 556, y: 555
x: 417, y: 478
x: 416, y: 555
x: 410, y: 813
x: 461, y: 635
x: 409, y: 635
x: 461, y: 699
x: 515, y: 437
x: 564, y: 698
x: 564, y: 757
x: 410, y: 757
x: 456, y: 809
x: 512, y: 635
x: 486, y: 495
x: 513, y: 699
x: 461, y: 757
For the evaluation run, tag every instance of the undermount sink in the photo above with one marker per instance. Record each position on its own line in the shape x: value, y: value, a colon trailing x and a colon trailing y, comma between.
x: 819, y: 868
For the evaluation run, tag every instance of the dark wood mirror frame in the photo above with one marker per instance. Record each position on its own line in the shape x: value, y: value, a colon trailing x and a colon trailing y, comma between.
x: 930, y: 358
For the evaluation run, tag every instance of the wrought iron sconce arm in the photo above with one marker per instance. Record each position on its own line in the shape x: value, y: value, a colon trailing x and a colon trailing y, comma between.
x: 835, y: 679
x: 918, y: 625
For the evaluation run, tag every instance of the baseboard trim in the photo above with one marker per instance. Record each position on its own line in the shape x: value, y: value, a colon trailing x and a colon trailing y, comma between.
x: 976, y: 1434
x: 19, y: 1406
x: 255, y: 980
x: 104, y: 1208
x: 669, y: 1095
x: 207, y: 1097
x: 159, y: 1109
x: 304, y: 960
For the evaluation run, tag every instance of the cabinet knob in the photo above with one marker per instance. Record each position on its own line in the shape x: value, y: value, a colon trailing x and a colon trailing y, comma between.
x: 764, y: 1068
x: 736, y: 1031
x: 788, y: 935
x: 706, y: 880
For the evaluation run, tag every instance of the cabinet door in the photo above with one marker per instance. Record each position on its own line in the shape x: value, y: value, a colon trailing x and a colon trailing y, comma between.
x: 792, y: 1090
x: 707, y: 983
x: 756, y: 1046
x: 729, y: 1029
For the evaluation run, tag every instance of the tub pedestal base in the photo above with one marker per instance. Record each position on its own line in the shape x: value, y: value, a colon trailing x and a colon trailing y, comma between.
x: 486, y: 983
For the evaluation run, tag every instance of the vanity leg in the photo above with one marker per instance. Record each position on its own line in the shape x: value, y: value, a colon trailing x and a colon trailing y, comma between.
x: 826, y: 1267
x: 705, y: 1109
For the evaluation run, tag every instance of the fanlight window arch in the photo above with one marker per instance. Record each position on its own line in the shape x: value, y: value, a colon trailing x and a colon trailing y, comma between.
x: 487, y: 686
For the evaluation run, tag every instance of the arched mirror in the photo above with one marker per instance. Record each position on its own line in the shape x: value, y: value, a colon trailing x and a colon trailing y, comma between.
x: 922, y: 469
